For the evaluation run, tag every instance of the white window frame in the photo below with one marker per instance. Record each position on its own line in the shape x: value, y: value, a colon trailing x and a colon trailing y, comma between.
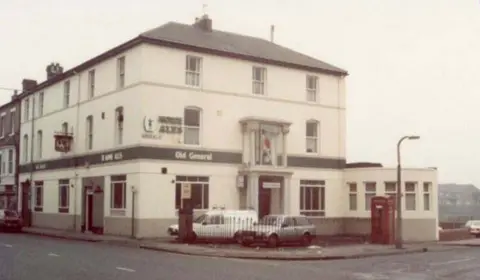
x: 388, y: 189
x: 26, y: 109
x: 10, y: 162
x: 369, y: 194
x: 39, y: 144
x: 91, y: 84
x: 41, y: 100
x: 121, y: 62
x: 309, y: 139
x: 2, y: 164
x: 193, y: 73
x: 312, y: 93
x: 427, y: 196
x: 3, y: 117
x: 352, y: 196
x: 25, y: 148
x: 321, y: 199
x: 89, y: 133
x: 66, y: 93
x: 122, y: 209
x: 258, y: 83
x: 36, y: 187
x: 190, y: 128
x: 13, y: 116
x: 410, y: 194
x: 63, y: 183
x: 203, y: 181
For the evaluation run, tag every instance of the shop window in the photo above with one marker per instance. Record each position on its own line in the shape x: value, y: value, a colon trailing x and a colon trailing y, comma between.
x: 199, y: 189
x: 118, y: 192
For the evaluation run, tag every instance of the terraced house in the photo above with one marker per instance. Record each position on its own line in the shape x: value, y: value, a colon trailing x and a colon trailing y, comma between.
x: 245, y: 123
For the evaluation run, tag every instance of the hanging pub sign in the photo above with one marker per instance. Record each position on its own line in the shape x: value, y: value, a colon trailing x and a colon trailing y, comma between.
x: 63, y: 142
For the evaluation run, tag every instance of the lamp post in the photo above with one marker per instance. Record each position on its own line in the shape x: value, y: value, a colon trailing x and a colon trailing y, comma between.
x: 398, y: 233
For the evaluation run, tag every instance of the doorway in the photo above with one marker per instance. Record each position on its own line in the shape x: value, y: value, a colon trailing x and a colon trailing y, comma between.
x: 93, y: 205
x: 26, y: 211
x: 266, y: 186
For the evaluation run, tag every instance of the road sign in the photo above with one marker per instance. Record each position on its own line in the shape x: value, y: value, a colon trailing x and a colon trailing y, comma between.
x: 186, y: 191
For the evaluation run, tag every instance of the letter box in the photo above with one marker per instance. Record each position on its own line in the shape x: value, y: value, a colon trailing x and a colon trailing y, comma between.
x: 383, y: 220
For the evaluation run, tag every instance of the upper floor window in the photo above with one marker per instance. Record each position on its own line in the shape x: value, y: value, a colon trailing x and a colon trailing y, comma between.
x: 26, y: 109
x: 39, y: 144
x: 192, y: 70
x: 121, y: 72
x: 10, y: 161
x: 89, y: 130
x: 2, y: 125
x: 25, y: 148
x: 119, y: 118
x: 66, y: 94
x: 192, y: 120
x: 91, y: 83
x: 13, y: 116
x: 312, y: 128
x: 65, y: 128
x: 312, y: 88
x: 258, y: 80
x: 41, y: 97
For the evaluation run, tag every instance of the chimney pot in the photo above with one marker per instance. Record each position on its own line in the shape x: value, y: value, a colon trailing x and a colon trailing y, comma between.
x: 54, y: 69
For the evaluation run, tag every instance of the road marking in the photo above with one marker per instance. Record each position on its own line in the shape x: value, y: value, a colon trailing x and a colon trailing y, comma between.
x: 452, y: 261
x: 53, y: 255
x: 125, y: 269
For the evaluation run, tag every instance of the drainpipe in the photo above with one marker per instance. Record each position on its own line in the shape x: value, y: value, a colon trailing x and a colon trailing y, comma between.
x: 134, y: 191
x: 32, y: 150
x: 75, y: 142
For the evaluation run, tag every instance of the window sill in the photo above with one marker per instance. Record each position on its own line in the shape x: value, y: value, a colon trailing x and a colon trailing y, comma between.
x: 63, y: 210
x: 38, y: 208
x: 118, y: 212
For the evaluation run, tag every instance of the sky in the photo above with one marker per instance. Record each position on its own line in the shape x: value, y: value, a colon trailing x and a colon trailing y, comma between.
x: 414, y: 65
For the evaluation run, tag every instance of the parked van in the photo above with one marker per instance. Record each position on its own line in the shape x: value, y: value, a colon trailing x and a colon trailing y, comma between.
x: 220, y: 224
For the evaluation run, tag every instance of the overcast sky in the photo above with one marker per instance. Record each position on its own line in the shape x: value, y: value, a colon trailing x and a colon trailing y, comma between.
x: 414, y: 64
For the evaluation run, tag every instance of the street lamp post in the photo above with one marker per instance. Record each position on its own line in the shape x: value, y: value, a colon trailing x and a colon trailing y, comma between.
x: 399, y: 225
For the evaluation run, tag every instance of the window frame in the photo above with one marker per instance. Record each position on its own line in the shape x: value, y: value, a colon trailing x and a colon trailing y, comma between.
x: 121, y: 180
x: 25, y: 147
x: 312, y: 139
x: 39, y: 144
x: 202, y: 182
x: 409, y: 194
x: 119, y: 129
x: 3, y: 118
x: 66, y: 94
x: 91, y: 84
x: 369, y: 194
x: 307, y: 188
x: 41, y: 100
x: 63, y: 184
x: 427, y: 191
x: 89, y: 133
x: 187, y: 128
x: 39, y: 200
x: 259, y: 83
x: 352, y: 196
x: 121, y: 62
x: 312, y: 91
x: 193, y: 76
x: 10, y: 161
x: 13, y: 115
x: 26, y: 109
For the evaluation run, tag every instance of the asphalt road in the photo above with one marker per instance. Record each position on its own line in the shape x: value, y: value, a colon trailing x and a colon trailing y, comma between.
x: 26, y: 257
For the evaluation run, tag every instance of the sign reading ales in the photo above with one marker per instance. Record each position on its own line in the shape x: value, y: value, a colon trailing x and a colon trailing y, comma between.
x: 155, y: 127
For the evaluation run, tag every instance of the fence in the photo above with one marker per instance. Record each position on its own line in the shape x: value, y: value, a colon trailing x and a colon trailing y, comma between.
x: 454, y: 222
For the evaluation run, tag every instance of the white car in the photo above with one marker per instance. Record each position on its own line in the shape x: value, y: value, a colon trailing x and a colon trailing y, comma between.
x: 220, y: 224
x: 473, y: 227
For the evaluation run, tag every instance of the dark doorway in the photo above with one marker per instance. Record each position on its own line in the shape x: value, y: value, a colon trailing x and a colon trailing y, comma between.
x: 265, y: 194
x: 26, y: 213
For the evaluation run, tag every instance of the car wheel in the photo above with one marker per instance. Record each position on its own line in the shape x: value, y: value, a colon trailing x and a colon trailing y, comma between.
x: 306, y: 239
x: 272, y: 241
x: 246, y: 243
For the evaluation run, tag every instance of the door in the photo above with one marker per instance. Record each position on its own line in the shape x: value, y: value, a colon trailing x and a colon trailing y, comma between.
x: 89, y: 210
x: 26, y: 204
x: 264, y: 200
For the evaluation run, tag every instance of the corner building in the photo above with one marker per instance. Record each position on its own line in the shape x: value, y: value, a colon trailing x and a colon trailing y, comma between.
x: 243, y: 121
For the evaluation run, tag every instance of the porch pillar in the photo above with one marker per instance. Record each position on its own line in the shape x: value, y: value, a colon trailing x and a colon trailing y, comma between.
x: 252, y: 192
x: 285, y: 131
x: 286, y: 194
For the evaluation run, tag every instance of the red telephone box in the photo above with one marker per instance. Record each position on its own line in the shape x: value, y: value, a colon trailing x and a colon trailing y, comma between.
x: 383, y: 220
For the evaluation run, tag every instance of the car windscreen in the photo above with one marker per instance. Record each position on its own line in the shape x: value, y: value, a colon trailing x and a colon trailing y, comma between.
x: 200, y: 219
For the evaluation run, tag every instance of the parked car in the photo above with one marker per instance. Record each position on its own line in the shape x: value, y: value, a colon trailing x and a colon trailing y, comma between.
x: 220, y: 224
x: 274, y: 230
x: 473, y: 227
x: 10, y: 220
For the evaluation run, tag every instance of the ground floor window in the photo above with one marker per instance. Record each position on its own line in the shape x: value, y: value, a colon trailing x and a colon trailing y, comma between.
x: 63, y: 195
x: 199, y: 191
x: 38, y: 187
x: 118, y: 192
x: 312, y: 197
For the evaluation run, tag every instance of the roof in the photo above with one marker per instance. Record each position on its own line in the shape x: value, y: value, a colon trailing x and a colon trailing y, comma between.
x: 236, y: 44
x: 220, y: 43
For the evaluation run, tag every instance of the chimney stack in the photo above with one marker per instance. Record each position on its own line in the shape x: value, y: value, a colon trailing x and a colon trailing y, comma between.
x: 272, y: 32
x: 204, y: 23
x: 28, y: 85
x: 53, y: 69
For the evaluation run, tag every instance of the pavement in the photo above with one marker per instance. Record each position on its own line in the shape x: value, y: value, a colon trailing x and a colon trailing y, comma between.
x: 33, y: 257
x: 235, y: 251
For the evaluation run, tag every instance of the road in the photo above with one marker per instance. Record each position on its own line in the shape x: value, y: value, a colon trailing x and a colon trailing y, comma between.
x: 26, y: 257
